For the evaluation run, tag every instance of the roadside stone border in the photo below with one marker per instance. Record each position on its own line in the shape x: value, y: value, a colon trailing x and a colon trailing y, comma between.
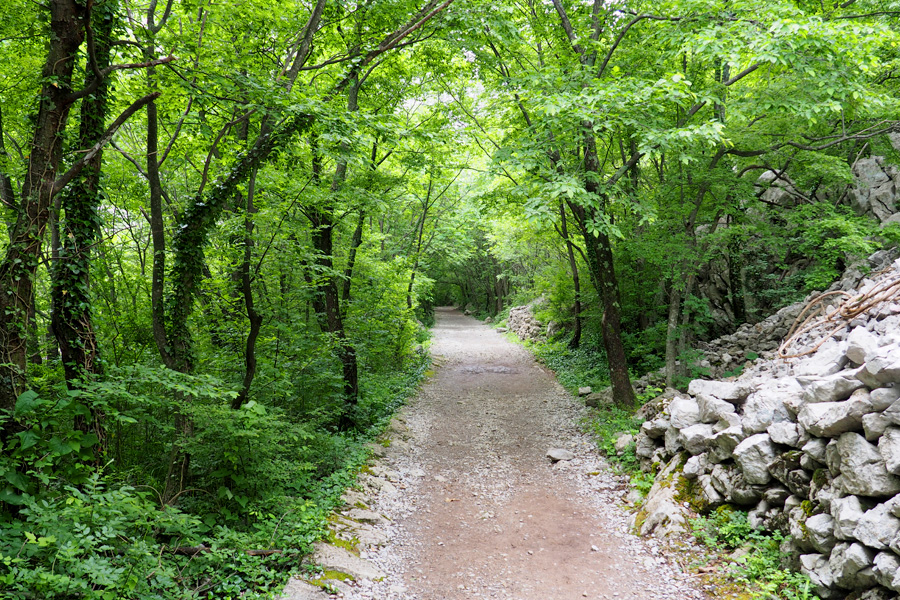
x: 355, y: 529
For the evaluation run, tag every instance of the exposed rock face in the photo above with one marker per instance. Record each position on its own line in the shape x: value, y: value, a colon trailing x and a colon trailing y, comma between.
x: 811, y: 444
x: 875, y: 188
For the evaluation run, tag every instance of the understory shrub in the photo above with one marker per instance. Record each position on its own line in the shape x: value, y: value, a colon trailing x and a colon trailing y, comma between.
x: 756, y: 560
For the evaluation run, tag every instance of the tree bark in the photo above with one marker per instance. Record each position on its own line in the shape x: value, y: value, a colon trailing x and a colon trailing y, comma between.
x: 575, y: 342
x: 599, y: 254
x: 18, y: 267
x: 71, y: 316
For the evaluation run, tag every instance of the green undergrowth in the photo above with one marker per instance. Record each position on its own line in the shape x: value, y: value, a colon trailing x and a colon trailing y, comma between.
x: 754, y: 567
x: 262, y: 480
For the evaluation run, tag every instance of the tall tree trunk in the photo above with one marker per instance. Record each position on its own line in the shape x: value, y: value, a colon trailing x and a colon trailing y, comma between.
x: 355, y: 243
x: 18, y: 267
x: 599, y: 254
x: 253, y: 316
x: 72, y: 321
x: 573, y: 266
x: 71, y: 272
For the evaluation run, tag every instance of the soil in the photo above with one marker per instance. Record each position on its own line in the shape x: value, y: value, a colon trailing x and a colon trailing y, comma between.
x: 477, y: 509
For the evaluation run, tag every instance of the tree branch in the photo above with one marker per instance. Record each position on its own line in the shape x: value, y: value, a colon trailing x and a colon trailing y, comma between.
x: 76, y: 168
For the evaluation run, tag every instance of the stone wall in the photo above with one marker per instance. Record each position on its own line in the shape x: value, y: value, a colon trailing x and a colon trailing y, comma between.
x: 810, y: 444
x: 522, y: 322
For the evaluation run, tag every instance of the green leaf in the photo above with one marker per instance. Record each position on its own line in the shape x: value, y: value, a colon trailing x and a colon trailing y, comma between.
x: 27, y: 403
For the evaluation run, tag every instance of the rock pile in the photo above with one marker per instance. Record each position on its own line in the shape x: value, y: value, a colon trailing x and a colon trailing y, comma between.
x: 522, y: 322
x: 730, y: 353
x: 810, y: 443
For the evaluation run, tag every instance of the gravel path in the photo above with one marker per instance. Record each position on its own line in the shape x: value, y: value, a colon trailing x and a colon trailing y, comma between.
x: 478, y: 511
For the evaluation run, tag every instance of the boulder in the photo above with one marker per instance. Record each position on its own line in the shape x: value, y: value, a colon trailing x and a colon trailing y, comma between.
x: 830, y: 419
x: 889, y: 447
x: 847, y: 513
x: 847, y: 561
x: 863, y: 469
x: 821, y: 532
x: 673, y: 440
x: 732, y: 392
x: 696, y: 466
x: 753, y: 455
x: 874, y: 189
x: 860, y: 343
x: 874, y: 426
x: 832, y: 388
x: 885, y: 364
x: 683, y: 412
x: 696, y: 438
x: 644, y: 447
x: 712, y: 409
x: 797, y: 527
x: 728, y: 439
x: 655, y: 428
x: 816, y: 567
x: 883, y: 397
x: 785, y: 433
x: 623, y: 440
x: 662, y: 513
x: 829, y: 359
x: 815, y: 449
x: 887, y: 570
x: 786, y: 469
x: 877, y: 527
x: 767, y: 405
x: 892, y: 413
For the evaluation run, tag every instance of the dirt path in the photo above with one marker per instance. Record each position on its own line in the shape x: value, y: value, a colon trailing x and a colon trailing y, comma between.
x: 480, y: 512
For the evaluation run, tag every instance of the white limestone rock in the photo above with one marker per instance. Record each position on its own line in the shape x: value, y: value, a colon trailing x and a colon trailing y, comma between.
x: 683, y: 412
x: 889, y: 447
x: 730, y: 391
x: 785, y: 433
x: 874, y: 426
x: 887, y: 570
x: 713, y: 409
x: 696, y: 438
x: 763, y: 408
x: 862, y: 468
x: 885, y: 364
x: 821, y: 532
x: 848, y: 561
x: 877, y: 527
x: 861, y: 343
x: 830, y: 419
x: 847, y: 513
x: 832, y: 388
x: 753, y: 455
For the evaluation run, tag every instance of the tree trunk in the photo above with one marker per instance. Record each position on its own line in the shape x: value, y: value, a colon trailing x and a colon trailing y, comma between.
x: 18, y: 267
x: 253, y: 316
x: 71, y: 316
x: 573, y: 266
x: 598, y: 250
x: 672, y: 333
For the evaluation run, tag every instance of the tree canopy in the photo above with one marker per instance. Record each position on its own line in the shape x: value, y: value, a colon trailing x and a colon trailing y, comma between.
x: 227, y: 225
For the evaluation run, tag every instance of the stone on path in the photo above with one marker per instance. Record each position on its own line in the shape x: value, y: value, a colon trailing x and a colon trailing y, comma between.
x: 333, y: 558
x: 297, y: 589
x: 558, y: 454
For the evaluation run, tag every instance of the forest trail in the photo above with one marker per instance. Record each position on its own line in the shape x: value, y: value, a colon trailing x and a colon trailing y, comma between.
x: 482, y: 513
